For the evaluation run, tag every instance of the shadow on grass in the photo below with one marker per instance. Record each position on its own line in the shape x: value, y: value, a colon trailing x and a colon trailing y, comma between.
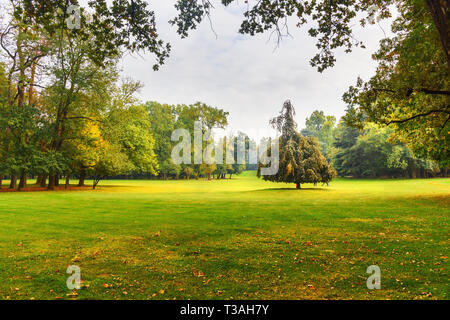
x: 290, y: 189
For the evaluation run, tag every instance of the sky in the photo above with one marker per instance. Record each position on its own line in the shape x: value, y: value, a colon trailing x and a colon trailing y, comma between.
x: 250, y: 77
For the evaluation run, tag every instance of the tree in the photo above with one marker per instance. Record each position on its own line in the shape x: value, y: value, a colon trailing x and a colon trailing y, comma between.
x: 210, y: 118
x: 37, y: 43
x: 162, y: 123
x: 320, y: 126
x: 112, y: 161
x: 410, y: 90
x: 300, y: 159
x: 168, y: 168
x: 345, y: 137
x: 375, y: 152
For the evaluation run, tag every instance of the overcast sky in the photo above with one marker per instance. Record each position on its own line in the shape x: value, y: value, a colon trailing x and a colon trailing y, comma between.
x: 248, y: 76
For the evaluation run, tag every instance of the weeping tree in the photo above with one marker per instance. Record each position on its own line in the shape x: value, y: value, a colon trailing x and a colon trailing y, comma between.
x: 300, y: 158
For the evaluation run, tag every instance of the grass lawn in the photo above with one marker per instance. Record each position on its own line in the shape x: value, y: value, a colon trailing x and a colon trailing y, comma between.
x: 233, y: 239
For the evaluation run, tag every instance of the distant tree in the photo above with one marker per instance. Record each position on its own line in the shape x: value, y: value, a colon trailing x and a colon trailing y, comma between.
x: 169, y: 169
x: 300, y: 159
x: 320, y: 126
x: 210, y: 118
x: 188, y: 172
x: 162, y: 123
x: 207, y: 170
x: 375, y: 152
x: 345, y: 137
x: 112, y: 162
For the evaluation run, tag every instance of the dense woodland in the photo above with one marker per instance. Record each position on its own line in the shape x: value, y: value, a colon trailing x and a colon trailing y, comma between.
x: 66, y: 113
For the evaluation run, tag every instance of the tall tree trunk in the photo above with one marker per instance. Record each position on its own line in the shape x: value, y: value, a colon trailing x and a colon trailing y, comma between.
x: 82, y: 178
x: 1, y: 181
x: 31, y: 85
x: 13, y: 183
x: 441, y: 17
x: 67, y: 182
x: 51, y: 182
x: 23, y: 180
x: 57, y: 180
x: 44, y: 181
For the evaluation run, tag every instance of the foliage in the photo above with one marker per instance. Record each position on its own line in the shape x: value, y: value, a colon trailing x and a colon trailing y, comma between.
x: 410, y: 90
x: 320, y: 126
x: 332, y: 21
x: 300, y: 159
x: 375, y: 152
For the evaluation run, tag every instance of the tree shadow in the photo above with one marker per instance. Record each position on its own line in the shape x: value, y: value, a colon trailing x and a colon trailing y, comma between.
x: 291, y: 189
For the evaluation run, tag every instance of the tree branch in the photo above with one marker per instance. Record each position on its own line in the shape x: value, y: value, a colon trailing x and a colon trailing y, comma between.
x: 419, y: 116
x: 83, y: 118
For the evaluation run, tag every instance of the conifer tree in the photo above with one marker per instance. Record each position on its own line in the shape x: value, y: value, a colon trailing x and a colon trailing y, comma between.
x: 300, y: 158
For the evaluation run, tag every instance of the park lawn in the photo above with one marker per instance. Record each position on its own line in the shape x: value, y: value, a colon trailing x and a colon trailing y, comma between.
x: 232, y: 239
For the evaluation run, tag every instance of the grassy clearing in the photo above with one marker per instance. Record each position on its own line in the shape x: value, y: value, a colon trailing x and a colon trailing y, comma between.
x: 241, y: 239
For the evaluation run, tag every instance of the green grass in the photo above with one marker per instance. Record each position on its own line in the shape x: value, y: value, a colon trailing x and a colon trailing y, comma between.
x: 249, y: 239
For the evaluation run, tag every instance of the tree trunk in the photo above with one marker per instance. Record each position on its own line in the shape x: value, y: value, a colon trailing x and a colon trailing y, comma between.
x: 23, y: 181
x: 57, y: 180
x: 67, y: 181
x: 299, y: 186
x: 95, y: 183
x: 13, y: 183
x: 51, y: 182
x: 1, y: 181
x: 43, y: 182
x: 31, y: 84
x: 39, y: 180
x: 441, y: 17
x: 82, y: 178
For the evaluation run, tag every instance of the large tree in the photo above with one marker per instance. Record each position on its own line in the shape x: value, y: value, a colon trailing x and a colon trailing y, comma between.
x: 410, y: 91
x: 38, y: 42
x: 300, y: 159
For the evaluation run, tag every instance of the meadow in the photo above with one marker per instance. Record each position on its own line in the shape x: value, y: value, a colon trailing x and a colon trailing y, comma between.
x: 231, y: 239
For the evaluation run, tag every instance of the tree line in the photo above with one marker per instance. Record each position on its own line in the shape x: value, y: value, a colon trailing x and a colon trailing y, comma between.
x: 373, y: 151
x: 65, y: 112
